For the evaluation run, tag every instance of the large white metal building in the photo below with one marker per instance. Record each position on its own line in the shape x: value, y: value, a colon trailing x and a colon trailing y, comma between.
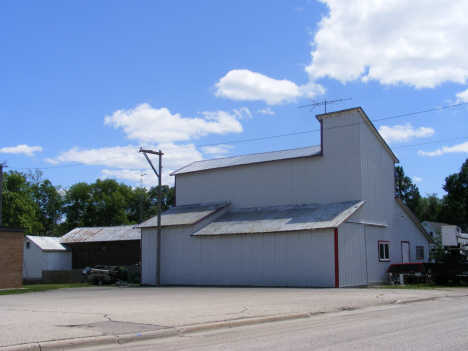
x: 320, y: 216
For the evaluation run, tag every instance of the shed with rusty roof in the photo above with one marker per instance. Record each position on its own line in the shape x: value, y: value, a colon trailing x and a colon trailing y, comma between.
x: 111, y: 246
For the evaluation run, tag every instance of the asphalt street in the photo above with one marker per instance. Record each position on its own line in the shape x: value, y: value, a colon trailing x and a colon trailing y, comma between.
x: 428, y: 325
x: 94, y: 315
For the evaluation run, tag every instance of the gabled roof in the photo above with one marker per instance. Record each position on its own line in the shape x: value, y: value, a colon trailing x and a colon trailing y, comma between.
x: 185, y: 215
x: 48, y: 243
x: 249, y: 159
x: 366, y: 120
x: 281, y: 218
x: 95, y: 234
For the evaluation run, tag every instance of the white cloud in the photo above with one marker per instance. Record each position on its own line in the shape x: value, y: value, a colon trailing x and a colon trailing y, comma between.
x: 150, y: 125
x: 243, y: 85
x: 21, y: 149
x: 127, y: 161
x: 266, y: 111
x: 217, y: 151
x: 462, y: 97
x: 417, y: 179
x: 420, y: 43
x: 242, y: 113
x: 446, y: 149
x: 404, y: 133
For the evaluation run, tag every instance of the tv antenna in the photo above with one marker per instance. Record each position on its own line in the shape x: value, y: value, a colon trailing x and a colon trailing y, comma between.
x: 324, y: 103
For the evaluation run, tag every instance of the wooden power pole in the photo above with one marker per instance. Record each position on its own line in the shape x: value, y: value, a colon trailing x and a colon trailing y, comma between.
x: 158, y: 238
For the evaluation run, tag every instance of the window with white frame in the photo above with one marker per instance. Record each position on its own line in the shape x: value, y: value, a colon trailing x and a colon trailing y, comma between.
x: 28, y: 244
x: 420, y: 252
x: 384, y: 251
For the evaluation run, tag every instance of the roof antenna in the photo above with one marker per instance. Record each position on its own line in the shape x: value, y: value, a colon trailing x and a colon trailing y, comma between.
x: 324, y: 103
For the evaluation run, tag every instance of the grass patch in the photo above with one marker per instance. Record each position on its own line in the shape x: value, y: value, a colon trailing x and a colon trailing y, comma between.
x: 427, y: 286
x: 41, y: 287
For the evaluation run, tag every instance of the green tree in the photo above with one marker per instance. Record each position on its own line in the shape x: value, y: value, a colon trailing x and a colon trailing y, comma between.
x: 430, y: 207
x: 49, y: 203
x: 455, y: 203
x: 407, y: 191
x: 150, y: 202
x: 18, y: 206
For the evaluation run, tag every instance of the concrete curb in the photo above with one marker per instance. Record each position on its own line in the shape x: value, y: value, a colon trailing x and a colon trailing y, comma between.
x: 169, y: 332
x: 156, y: 334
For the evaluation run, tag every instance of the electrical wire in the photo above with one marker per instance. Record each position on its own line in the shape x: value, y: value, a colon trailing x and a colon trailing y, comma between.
x: 272, y: 137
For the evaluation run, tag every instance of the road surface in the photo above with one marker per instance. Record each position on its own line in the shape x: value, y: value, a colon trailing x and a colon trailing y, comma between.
x: 429, y: 325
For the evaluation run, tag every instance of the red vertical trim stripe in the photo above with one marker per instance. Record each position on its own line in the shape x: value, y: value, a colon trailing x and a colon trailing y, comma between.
x: 337, y: 263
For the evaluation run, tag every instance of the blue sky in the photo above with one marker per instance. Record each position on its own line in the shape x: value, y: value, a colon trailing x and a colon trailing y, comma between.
x: 85, y: 84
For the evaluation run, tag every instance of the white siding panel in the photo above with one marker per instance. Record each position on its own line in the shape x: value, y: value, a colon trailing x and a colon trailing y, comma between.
x: 335, y: 177
x: 277, y: 259
x: 33, y: 261
x: 352, y: 255
x: 148, y: 256
x: 247, y: 259
x: 376, y: 270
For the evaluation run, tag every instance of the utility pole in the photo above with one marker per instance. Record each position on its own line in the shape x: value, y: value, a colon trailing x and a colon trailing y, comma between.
x: 324, y: 103
x: 1, y: 184
x: 158, y: 238
x: 141, y: 197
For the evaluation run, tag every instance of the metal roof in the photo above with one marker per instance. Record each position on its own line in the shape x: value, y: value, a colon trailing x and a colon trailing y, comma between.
x: 184, y: 215
x: 94, y: 234
x: 281, y: 218
x: 48, y: 243
x: 249, y: 159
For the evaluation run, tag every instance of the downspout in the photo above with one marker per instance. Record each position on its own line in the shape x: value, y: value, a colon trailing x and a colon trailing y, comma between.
x: 337, y: 263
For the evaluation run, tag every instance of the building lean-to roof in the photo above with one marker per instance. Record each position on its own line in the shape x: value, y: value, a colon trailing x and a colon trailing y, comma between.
x: 281, y: 218
x: 250, y: 159
x: 48, y: 243
x: 185, y: 215
x: 98, y: 234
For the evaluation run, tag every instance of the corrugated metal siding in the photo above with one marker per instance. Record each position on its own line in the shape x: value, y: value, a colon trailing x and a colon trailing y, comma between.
x: 352, y: 255
x: 148, y: 256
x: 57, y: 261
x: 282, y: 259
x: 376, y: 270
x: 378, y: 180
x: 281, y: 219
x: 94, y: 234
x: 32, y: 264
x: 291, y: 182
x: 249, y: 159
x: 185, y: 215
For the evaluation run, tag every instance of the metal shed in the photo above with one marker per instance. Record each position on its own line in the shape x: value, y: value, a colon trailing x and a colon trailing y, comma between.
x: 113, y: 246
x: 44, y: 253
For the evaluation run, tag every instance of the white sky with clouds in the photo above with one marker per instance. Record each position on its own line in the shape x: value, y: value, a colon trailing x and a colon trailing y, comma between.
x: 194, y: 80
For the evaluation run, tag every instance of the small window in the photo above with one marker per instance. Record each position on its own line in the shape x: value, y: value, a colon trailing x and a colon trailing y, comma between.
x: 28, y: 244
x: 420, y: 252
x: 384, y: 251
x: 431, y: 234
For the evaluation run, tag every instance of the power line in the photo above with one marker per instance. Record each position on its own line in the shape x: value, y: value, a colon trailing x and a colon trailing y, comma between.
x: 80, y: 164
x: 272, y: 137
x: 314, y: 130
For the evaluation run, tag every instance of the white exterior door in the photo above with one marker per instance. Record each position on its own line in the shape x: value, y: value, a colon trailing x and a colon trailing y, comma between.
x: 405, y: 252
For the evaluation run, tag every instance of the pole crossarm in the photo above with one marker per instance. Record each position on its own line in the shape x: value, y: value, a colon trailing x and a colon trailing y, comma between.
x: 145, y: 152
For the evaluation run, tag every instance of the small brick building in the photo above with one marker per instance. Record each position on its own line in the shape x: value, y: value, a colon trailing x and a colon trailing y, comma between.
x: 11, y: 257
